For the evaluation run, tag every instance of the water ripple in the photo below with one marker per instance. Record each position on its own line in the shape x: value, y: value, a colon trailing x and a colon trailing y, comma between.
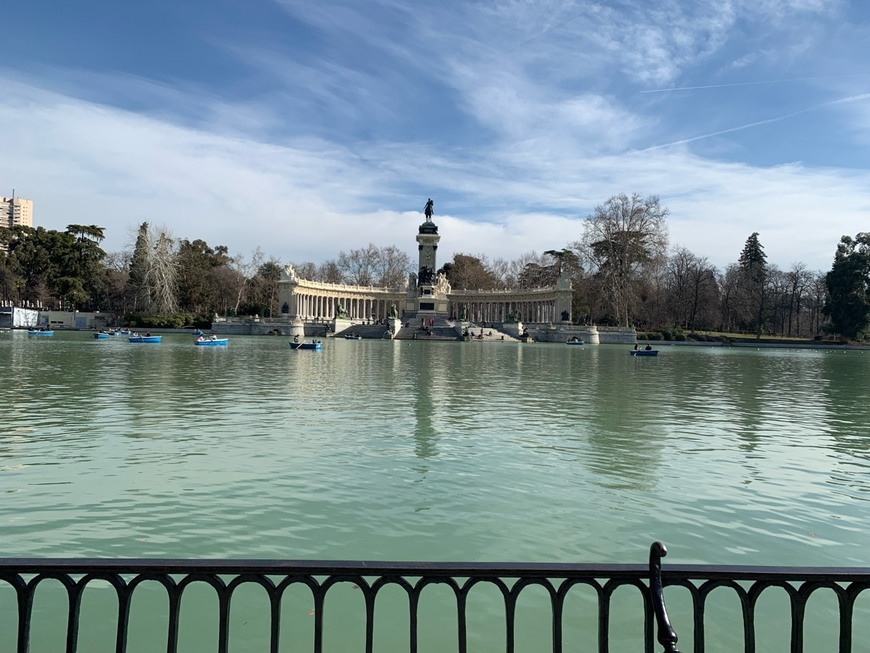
x: 403, y: 450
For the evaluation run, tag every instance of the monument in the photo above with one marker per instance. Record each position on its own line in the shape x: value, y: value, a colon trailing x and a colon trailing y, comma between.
x: 427, y: 300
x: 430, y: 298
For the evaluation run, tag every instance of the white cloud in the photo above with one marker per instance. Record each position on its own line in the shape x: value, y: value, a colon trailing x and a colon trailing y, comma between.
x: 550, y: 130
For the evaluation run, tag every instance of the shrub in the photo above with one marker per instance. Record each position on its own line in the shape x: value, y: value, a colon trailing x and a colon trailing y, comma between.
x: 652, y: 335
x: 680, y: 337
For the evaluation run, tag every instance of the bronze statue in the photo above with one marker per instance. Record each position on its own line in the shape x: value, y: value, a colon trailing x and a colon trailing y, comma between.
x: 429, y: 210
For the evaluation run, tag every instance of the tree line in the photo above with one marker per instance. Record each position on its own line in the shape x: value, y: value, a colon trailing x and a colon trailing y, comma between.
x: 624, y: 273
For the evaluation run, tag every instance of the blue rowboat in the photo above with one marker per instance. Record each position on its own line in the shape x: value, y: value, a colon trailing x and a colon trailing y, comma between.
x: 211, y: 342
x: 101, y: 336
x: 644, y: 352
x: 306, y: 345
x: 151, y: 339
x: 40, y: 333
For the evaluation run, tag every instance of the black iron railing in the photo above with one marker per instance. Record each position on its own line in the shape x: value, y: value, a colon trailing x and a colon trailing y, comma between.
x: 22, y: 578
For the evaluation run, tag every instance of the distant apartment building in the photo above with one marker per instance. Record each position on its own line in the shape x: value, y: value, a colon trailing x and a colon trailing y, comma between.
x: 16, y: 211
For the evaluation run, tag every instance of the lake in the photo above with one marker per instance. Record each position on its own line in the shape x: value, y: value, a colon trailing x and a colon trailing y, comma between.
x: 445, y: 451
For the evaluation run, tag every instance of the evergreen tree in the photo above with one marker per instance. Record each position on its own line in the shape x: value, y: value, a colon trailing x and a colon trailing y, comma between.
x: 753, y: 272
x: 137, y: 286
x: 848, y: 285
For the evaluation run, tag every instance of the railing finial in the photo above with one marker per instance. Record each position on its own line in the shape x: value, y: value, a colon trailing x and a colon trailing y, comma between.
x: 667, y: 636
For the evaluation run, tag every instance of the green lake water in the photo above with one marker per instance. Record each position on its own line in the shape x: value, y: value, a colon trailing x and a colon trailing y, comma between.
x: 384, y: 450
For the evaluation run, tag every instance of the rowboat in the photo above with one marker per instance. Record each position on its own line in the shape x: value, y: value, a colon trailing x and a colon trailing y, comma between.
x: 148, y: 339
x: 644, y: 352
x: 36, y: 332
x: 353, y: 337
x: 574, y: 341
x: 306, y: 345
x: 101, y: 336
x: 211, y: 342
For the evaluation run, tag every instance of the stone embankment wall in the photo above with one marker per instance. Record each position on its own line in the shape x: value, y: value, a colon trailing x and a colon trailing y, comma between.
x: 589, y: 334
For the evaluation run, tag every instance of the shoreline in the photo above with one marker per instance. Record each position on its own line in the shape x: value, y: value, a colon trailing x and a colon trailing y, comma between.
x: 756, y: 345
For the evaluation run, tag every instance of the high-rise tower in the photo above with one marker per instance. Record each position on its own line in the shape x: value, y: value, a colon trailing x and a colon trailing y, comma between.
x: 16, y: 211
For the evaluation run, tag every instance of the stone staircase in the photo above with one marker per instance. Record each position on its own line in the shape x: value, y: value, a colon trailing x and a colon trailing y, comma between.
x: 365, y: 331
x: 416, y: 328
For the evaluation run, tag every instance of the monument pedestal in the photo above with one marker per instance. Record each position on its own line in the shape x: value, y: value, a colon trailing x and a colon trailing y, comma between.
x: 297, y: 327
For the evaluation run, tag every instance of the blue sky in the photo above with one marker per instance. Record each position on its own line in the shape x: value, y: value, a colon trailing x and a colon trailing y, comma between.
x: 307, y: 127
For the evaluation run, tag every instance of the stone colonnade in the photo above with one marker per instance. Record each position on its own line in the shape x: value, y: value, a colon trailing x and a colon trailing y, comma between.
x: 316, y: 301
x: 312, y: 300
x: 542, y: 305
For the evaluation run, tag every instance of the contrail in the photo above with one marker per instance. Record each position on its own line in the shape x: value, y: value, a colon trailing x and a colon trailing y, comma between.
x: 544, y: 33
x: 757, y: 83
x: 758, y: 123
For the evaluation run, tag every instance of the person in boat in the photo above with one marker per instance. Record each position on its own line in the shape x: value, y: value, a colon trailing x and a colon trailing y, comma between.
x: 212, y: 337
x: 296, y: 338
x: 648, y: 348
x: 636, y: 346
x: 200, y: 338
x: 147, y: 334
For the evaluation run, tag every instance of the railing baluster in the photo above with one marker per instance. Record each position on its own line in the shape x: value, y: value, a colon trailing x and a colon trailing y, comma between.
x: 74, y: 596
x: 274, y: 621
x: 462, y: 621
x: 667, y: 636
x: 172, y: 627
x: 558, y: 604
x: 224, y: 601
x: 123, y: 593
x: 510, y: 609
x: 604, y: 621
x: 25, y: 612
x: 413, y: 606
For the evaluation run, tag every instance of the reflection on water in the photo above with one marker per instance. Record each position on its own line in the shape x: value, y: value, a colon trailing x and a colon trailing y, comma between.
x: 415, y: 450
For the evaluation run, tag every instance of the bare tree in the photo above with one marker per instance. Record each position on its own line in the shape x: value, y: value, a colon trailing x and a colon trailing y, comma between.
x: 624, y: 240
x: 161, y: 278
x: 690, y: 286
x: 502, y: 270
x: 328, y: 272
x: 245, y: 271
x: 392, y: 267
x: 729, y: 285
x: 359, y: 267
x: 800, y: 279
